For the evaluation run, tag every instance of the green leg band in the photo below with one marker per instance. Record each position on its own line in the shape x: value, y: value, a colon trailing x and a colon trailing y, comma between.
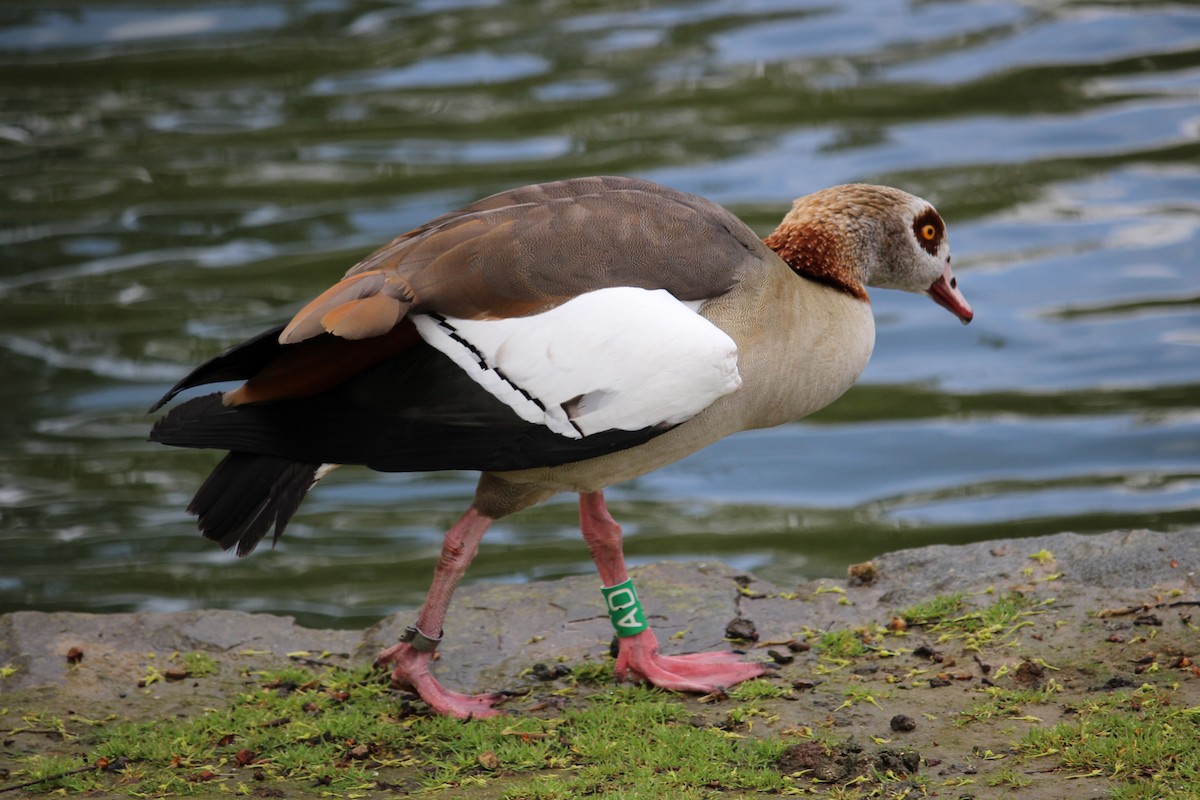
x: 624, y: 609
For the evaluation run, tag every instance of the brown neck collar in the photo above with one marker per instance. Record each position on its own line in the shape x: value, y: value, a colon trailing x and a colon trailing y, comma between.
x: 819, y: 255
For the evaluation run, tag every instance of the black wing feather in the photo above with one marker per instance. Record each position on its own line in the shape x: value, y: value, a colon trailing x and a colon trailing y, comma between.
x: 237, y: 363
x: 412, y: 413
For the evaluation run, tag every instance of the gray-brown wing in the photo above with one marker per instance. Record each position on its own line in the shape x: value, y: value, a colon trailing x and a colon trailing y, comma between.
x: 529, y: 249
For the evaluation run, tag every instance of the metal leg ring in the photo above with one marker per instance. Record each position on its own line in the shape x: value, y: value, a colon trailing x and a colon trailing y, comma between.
x: 419, y: 641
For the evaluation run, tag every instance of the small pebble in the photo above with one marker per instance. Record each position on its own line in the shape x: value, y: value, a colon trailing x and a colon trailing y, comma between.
x: 862, y: 574
x: 740, y: 628
x: 925, y: 651
x: 780, y: 658
x: 545, y: 673
x: 903, y: 723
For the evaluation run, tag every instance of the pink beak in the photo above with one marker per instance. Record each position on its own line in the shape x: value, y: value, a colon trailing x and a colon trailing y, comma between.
x: 945, y: 293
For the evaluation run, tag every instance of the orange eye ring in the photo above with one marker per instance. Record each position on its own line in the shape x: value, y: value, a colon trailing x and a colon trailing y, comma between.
x: 929, y: 233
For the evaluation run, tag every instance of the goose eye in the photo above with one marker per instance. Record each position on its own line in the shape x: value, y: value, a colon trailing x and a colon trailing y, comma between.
x: 929, y: 233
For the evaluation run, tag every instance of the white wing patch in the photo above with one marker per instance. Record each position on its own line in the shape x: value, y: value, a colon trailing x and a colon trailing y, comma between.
x: 621, y: 358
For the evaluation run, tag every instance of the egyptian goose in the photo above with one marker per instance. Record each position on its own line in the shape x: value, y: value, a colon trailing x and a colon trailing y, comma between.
x: 558, y: 337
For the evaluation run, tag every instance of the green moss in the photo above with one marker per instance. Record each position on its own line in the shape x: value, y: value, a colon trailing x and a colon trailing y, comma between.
x: 950, y: 617
x: 60, y: 774
x: 840, y: 645
x: 1135, y: 738
x: 758, y: 689
x: 344, y: 732
x: 198, y: 664
x: 594, y: 673
x: 1009, y: 779
x: 934, y: 610
x: 1010, y: 703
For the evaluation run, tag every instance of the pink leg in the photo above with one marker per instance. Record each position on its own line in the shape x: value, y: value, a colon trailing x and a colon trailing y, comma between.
x: 411, y: 665
x: 639, y: 658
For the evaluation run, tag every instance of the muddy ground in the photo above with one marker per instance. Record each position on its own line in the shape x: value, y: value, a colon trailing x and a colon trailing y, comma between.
x: 1101, y: 613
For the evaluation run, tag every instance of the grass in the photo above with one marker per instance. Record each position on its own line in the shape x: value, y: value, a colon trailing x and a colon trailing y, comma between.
x: 758, y: 689
x: 951, y: 617
x: 1010, y: 703
x: 935, y: 610
x: 839, y: 648
x: 344, y: 732
x: 1135, y: 738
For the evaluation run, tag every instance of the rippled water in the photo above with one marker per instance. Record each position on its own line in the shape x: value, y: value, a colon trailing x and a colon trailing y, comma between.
x: 174, y: 177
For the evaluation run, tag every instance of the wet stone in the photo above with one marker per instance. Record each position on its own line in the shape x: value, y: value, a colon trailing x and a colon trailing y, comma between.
x: 780, y: 658
x: 742, y: 629
x: 545, y: 673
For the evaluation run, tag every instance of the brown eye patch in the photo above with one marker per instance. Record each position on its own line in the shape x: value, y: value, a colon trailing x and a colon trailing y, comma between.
x: 929, y: 230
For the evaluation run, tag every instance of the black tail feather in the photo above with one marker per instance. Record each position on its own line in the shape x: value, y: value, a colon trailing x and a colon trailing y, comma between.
x: 246, y: 494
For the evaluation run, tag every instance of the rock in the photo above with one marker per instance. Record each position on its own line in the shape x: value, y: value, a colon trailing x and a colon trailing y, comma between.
x: 496, y: 631
x: 117, y: 644
x: 741, y: 629
x: 1117, y: 560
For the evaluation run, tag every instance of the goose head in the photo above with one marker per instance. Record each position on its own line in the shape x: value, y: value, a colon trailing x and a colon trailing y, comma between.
x: 859, y: 235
